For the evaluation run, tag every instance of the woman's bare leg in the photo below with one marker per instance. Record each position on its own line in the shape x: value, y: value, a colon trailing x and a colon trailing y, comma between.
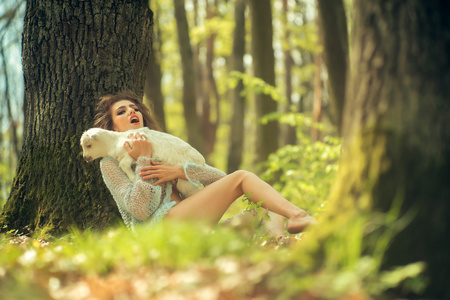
x: 212, y: 202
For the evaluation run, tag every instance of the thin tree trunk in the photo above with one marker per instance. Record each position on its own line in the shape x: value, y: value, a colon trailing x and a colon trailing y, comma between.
x: 317, y: 105
x: 290, y: 135
x: 210, y: 120
x: 264, y: 68
x: 333, y: 27
x: 396, y: 130
x: 306, y: 58
x: 73, y: 52
x: 195, y: 137
x: 13, y: 124
x: 153, y: 96
x: 198, y: 66
x: 238, y: 101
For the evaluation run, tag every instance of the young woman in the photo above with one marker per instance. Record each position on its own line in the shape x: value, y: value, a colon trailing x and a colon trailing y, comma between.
x: 153, y: 196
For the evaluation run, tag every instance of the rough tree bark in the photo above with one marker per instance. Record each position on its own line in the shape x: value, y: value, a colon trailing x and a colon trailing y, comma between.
x: 73, y: 52
x: 264, y: 68
x: 195, y: 138
x: 238, y: 101
x: 397, y: 129
x: 333, y: 27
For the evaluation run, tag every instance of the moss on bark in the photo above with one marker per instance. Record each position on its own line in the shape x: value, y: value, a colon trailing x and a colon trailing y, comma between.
x: 54, y: 189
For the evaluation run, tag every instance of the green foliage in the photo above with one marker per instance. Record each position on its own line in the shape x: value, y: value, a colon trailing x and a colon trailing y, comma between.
x: 302, y: 173
x: 309, y: 38
x: 255, y: 85
x: 221, y: 28
x: 305, y: 172
x: 257, y: 211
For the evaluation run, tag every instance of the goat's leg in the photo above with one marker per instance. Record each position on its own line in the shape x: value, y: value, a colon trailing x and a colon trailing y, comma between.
x: 125, y: 165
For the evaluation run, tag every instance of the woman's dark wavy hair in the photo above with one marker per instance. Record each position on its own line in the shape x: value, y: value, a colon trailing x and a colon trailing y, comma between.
x: 103, y: 117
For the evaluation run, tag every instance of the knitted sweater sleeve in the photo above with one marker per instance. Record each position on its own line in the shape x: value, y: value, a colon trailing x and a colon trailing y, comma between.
x: 202, y: 175
x: 139, y: 199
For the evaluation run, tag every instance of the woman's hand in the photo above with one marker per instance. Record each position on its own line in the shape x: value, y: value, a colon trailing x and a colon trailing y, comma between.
x: 162, y: 171
x: 141, y: 147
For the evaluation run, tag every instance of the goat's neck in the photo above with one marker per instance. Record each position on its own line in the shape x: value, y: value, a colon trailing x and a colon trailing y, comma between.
x: 117, y: 148
x: 109, y: 144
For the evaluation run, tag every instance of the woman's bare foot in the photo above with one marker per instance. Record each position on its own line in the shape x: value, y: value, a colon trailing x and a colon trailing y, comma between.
x: 297, y: 224
x: 275, y: 225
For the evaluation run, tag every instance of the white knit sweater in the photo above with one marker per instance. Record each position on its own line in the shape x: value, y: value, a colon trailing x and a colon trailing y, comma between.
x: 140, y: 202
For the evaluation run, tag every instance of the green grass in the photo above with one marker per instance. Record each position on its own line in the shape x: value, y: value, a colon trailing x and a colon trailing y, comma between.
x: 170, y: 249
x: 190, y: 260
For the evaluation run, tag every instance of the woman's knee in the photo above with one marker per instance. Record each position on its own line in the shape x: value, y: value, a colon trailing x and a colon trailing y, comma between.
x: 240, y: 175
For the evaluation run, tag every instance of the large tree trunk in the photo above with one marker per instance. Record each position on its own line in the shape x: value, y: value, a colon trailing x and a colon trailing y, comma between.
x: 333, y: 27
x: 264, y: 68
x: 397, y: 129
x: 195, y: 137
x: 73, y: 52
x: 238, y: 101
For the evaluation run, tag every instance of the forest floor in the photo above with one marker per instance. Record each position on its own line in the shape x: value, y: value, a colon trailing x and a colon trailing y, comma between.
x: 187, y: 261
x: 119, y: 265
x: 227, y: 279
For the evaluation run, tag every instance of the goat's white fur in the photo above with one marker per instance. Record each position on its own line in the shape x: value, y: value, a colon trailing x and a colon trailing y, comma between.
x: 97, y: 142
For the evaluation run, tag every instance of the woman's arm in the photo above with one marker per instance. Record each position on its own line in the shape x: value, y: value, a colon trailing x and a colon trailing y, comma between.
x: 141, y: 198
x: 161, y: 172
x: 196, y: 174
x: 202, y: 175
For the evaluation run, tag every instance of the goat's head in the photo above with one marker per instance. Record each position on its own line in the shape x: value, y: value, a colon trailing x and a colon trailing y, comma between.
x: 93, y: 143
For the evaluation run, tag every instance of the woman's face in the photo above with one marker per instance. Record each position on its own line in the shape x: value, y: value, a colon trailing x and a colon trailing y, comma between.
x: 126, y: 115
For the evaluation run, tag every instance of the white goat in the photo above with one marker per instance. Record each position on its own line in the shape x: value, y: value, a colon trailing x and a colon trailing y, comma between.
x: 97, y: 142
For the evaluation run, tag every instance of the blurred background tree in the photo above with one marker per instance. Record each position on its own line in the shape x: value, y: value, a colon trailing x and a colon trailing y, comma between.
x: 11, y: 91
x: 263, y: 63
x: 238, y: 107
x: 333, y: 24
x: 396, y: 134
